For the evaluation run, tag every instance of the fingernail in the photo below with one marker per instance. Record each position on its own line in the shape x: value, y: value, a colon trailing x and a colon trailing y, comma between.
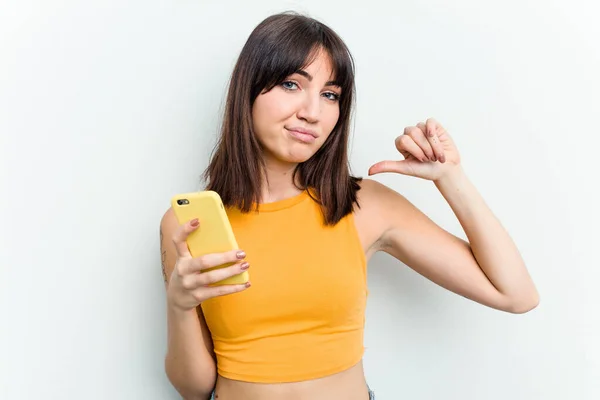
x: 245, y: 266
x: 240, y: 254
x: 195, y: 222
x: 248, y: 284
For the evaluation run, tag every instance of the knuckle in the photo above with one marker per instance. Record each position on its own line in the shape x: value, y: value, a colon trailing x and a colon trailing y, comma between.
x: 404, y: 140
x: 180, y: 268
x: 223, y: 273
x: 201, y: 279
x: 201, y: 262
x: 401, y: 144
x: 186, y: 283
x: 219, y: 259
x: 411, y: 131
x: 222, y: 290
x: 176, y: 237
x: 211, y: 277
x: 226, y: 258
x: 198, y: 296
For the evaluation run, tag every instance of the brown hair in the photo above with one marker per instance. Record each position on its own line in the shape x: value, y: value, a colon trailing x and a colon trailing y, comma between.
x: 279, y: 46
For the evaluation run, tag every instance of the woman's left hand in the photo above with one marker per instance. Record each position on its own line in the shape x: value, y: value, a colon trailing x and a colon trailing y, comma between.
x: 428, y: 151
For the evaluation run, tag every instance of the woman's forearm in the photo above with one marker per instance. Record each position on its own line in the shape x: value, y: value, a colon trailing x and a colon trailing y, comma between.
x: 188, y: 364
x: 492, y: 247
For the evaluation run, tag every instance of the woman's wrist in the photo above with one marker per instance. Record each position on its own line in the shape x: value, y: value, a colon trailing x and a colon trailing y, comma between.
x: 453, y: 178
x: 179, y: 312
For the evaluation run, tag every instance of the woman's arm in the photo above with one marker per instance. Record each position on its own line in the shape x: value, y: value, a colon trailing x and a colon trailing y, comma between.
x: 189, y: 363
x: 487, y: 269
x: 491, y: 246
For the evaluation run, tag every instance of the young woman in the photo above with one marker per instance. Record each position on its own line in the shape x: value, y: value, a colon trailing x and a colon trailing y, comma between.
x: 307, y: 228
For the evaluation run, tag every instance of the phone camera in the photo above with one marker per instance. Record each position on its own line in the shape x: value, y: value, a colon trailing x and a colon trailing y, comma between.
x: 183, y: 201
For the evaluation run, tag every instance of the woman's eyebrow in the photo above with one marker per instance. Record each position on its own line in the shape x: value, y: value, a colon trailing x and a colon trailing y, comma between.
x: 310, y: 78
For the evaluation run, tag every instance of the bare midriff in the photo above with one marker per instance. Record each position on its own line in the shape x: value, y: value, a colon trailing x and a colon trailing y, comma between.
x: 346, y: 385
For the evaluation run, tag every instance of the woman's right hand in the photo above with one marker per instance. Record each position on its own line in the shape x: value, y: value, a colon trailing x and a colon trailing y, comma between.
x: 189, y: 282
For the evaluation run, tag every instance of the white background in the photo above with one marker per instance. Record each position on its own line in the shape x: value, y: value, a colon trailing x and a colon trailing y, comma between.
x: 107, y: 108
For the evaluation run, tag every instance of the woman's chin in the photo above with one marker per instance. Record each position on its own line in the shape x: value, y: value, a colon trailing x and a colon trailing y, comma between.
x: 298, y: 158
x: 295, y: 156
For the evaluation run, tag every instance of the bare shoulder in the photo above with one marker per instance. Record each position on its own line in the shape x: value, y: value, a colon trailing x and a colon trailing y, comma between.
x: 372, y: 191
x: 377, y: 200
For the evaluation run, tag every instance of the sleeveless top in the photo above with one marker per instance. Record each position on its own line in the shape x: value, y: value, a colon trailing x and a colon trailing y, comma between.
x: 303, y: 317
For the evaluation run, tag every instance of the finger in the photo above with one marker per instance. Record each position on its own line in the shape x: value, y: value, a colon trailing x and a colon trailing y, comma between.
x: 431, y: 129
x: 418, y: 135
x: 212, y: 260
x: 222, y: 290
x: 219, y: 274
x: 437, y: 128
x: 194, y: 281
x: 434, y: 125
x: 180, y: 236
x: 406, y: 146
x: 405, y: 167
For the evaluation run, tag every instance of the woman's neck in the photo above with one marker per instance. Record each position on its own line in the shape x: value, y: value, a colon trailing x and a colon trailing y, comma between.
x: 277, y: 182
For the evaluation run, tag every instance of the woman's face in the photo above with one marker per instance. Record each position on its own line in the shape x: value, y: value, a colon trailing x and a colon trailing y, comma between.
x: 293, y: 120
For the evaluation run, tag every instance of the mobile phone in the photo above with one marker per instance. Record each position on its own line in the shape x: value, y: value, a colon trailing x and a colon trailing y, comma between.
x: 214, y: 235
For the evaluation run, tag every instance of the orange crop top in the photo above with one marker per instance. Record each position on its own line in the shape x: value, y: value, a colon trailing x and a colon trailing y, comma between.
x: 303, y: 317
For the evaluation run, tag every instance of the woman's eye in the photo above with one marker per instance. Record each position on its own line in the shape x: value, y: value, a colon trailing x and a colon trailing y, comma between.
x: 331, y: 96
x: 289, y: 85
